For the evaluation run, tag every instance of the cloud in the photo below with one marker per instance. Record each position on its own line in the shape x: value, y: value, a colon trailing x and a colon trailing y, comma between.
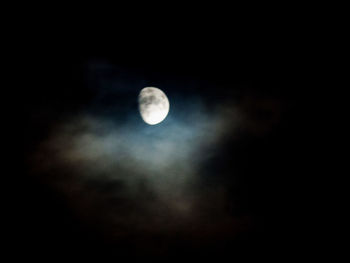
x: 134, y: 178
x: 130, y: 179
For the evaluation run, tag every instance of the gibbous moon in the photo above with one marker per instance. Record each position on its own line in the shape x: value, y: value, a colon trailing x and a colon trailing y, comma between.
x: 153, y: 105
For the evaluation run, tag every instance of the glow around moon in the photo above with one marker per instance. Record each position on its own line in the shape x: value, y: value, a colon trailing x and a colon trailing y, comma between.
x: 153, y: 105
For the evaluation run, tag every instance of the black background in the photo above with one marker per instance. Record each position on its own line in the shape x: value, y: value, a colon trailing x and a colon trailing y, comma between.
x: 256, y: 60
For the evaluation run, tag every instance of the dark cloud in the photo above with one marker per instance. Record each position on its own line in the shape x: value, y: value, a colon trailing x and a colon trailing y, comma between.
x: 194, y: 181
x: 153, y: 169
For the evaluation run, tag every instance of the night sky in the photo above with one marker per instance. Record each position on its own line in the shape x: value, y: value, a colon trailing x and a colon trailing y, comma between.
x: 215, y: 179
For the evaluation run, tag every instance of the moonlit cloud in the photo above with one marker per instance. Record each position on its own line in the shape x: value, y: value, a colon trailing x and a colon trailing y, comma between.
x: 132, y: 179
x: 101, y: 162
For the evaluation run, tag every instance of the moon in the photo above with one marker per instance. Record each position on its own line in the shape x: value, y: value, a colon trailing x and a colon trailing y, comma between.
x: 153, y: 105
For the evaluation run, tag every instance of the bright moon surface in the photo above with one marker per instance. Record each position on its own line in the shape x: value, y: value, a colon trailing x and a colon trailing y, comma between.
x: 153, y: 105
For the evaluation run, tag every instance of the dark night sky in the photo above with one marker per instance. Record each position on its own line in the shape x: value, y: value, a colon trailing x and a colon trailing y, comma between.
x: 89, y: 186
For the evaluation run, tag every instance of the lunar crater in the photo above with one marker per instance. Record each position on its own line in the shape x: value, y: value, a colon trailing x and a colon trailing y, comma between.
x: 153, y: 105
